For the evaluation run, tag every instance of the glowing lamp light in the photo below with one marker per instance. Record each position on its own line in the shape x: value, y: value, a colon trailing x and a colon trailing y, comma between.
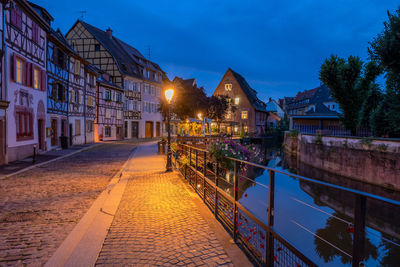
x: 199, y: 115
x: 236, y: 128
x: 169, y: 94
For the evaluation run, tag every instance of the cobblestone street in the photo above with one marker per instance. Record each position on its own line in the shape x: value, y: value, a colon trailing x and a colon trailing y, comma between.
x: 38, y: 208
x: 157, y: 222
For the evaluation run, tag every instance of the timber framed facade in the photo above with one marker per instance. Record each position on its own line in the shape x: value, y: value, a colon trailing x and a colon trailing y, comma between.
x: 140, y: 78
x: 109, y: 110
x: 25, y: 88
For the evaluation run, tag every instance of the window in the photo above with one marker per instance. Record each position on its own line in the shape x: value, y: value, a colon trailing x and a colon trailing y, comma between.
x: 90, y: 101
x: 246, y: 129
x: 333, y: 107
x: 97, y: 47
x: 24, y: 125
x: 35, y: 32
x: 108, y: 113
x: 228, y: 115
x: 107, y: 131
x: 60, y: 92
x: 77, y: 96
x: 244, y: 114
x: 119, y: 115
x: 16, y: 17
x: 153, y: 92
x: 19, y: 64
x: 77, y: 127
x: 237, y: 100
x: 77, y: 67
x: 119, y: 97
x: 228, y: 87
x: 108, y: 95
x: 72, y: 93
x: 158, y: 91
x: 89, y: 126
x: 36, y: 78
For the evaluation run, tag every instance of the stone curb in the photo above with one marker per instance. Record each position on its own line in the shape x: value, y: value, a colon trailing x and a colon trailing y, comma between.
x: 83, y: 244
x: 46, y: 162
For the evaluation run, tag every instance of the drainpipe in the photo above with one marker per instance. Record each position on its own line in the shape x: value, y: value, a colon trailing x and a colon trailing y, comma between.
x: 84, y: 102
x: 5, y: 55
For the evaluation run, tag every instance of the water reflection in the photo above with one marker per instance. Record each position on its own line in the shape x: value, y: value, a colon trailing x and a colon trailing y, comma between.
x: 316, y: 219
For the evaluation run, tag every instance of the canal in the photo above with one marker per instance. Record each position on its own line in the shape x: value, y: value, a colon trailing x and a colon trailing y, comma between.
x: 319, y: 220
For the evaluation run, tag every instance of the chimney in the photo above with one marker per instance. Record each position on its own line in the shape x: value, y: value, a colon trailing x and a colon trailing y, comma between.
x: 270, y: 99
x: 109, y: 32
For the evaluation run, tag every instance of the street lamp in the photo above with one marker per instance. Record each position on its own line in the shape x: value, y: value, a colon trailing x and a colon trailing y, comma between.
x: 168, y: 95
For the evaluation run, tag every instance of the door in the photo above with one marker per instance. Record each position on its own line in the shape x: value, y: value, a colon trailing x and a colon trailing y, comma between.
x: 158, y: 129
x: 70, y: 134
x: 54, y: 132
x: 149, y: 129
x: 135, y: 129
x: 126, y: 129
x: 40, y: 134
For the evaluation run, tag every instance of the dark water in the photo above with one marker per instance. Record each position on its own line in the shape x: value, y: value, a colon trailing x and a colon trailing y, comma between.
x: 316, y: 219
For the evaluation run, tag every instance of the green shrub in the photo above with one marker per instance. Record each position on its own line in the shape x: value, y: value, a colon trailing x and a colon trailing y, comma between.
x: 318, y: 139
x: 293, y: 133
x: 367, y: 141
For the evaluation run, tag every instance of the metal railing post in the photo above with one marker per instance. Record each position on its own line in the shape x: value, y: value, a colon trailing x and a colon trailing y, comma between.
x: 270, y: 239
x: 190, y: 156
x: 235, y: 196
x: 204, y: 173
x: 216, y: 190
x: 359, y: 230
x: 196, y: 159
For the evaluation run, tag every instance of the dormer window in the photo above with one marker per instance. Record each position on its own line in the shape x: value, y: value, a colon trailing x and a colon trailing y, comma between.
x: 228, y: 87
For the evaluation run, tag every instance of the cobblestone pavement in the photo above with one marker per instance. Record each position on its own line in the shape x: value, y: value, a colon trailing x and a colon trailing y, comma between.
x: 38, y: 208
x: 158, y: 224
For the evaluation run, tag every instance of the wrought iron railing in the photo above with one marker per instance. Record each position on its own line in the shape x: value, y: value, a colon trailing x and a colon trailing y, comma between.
x: 260, y: 240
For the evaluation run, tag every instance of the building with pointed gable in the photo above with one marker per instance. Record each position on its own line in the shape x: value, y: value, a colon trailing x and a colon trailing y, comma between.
x: 140, y: 79
x: 249, y: 113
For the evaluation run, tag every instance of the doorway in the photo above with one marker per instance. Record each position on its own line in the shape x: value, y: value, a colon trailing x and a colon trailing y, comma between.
x: 126, y: 129
x: 149, y: 129
x: 54, y: 132
x: 158, y: 129
x: 135, y: 129
x: 70, y: 134
x: 41, y: 134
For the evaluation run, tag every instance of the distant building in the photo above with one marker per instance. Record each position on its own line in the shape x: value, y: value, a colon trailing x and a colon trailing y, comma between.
x: 275, y: 113
x: 140, y: 79
x: 109, y: 115
x: 298, y: 106
x: 320, y: 115
x: 250, y: 113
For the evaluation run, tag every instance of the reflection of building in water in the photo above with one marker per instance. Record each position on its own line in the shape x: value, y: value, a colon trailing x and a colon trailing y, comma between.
x: 381, y: 216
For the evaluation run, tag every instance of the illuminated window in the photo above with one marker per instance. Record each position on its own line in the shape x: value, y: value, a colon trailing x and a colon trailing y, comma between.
x: 237, y: 101
x: 228, y: 87
x: 228, y: 115
x: 90, y: 101
x: 246, y: 129
x: 19, y: 71
x: 244, y: 115
x: 36, y: 78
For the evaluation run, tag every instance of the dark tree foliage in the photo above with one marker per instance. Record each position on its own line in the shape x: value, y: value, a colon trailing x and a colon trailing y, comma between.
x: 385, y: 49
x: 217, y: 107
x: 189, y: 101
x: 350, y: 81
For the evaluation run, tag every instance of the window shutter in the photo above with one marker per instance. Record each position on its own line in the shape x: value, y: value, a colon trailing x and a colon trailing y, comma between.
x: 72, y: 96
x: 32, y: 80
x: 19, y: 18
x: 54, y: 90
x: 43, y: 80
x: 13, y: 67
x: 25, y: 73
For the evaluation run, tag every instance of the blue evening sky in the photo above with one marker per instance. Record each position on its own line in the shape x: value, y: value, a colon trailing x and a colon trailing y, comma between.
x: 278, y: 46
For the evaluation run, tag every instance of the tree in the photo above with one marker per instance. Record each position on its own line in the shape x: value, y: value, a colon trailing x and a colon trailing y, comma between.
x: 217, y: 107
x: 385, y: 50
x: 350, y: 82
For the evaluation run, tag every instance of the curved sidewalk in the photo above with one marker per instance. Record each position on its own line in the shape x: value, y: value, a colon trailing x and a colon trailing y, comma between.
x: 159, y: 222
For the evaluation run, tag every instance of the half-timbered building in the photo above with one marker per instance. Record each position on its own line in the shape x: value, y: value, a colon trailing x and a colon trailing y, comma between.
x: 25, y: 79
x: 140, y: 78
x: 90, y: 103
x: 109, y: 110
x: 58, y: 63
x: 247, y: 113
